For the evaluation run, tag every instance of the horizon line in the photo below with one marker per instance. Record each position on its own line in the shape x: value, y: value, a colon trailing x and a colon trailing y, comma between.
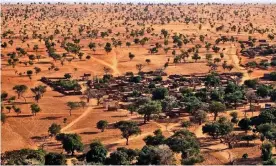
x: 77, y: 2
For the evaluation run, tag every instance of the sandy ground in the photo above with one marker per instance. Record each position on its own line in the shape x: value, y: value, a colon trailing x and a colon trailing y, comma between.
x: 27, y: 131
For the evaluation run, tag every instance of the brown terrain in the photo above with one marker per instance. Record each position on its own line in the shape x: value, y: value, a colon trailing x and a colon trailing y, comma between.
x: 27, y: 131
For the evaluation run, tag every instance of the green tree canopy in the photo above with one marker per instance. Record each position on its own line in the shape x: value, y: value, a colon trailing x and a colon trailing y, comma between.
x: 128, y: 128
x: 97, y: 153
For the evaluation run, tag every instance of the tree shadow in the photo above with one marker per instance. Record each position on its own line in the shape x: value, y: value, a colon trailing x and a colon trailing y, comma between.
x: 20, y: 116
x: 21, y: 103
x: 59, y: 96
x: 119, y: 116
x: 38, y: 138
x: 98, y: 108
x: 97, y: 54
x: 248, y: 161
x: 51, y: 118
x: 89, y: 132
x: 243, y: 144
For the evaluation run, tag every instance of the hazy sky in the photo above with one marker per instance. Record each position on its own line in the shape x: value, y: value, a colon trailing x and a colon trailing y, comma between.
x: 146, y: 1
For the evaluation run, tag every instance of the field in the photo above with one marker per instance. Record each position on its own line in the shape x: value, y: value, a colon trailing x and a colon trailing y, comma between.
x: 32, y: 25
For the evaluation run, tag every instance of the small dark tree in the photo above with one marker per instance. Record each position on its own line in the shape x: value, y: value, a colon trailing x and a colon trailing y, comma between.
x: 3, y: 117
x: 244, y: 124
x: 128, y: 128
x: 54, y: 129
x: 55, y: 159
x: 20, y: 89
x: 157, y: 139
x: 97, y: 153
x: 159, y: 93
x: 35, y: 109
x: 266, y: 151
x: 216, y: 107
x: 147, y: 109
x: 102, y: 125
x: 70, y: 142
x: 107, y: 48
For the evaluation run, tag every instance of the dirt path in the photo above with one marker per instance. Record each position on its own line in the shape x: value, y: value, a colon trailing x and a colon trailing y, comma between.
x: 113, y: 66
x: 63, y: 130
x: 219, y: 151
x: 232, y: 54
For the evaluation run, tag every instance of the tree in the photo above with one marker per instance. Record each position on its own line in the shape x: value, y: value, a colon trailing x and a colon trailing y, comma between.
x: 92, y: 46
x: 234, y: 97
x: 80, y: 55
x: 3, y: 117
x: 55, y: 159
x: 266, y: 129
x: 168, y: 103
x: 268, y: 116
x: 273, y: 95
x: 139, y: 67
x: 156, y: 155
x: 262, y: 91
x: 251, y: 83
x: 270, y: 36
x: 159, y: 93
x: 199, y: 117
x: 118, y: 158
x: 97, y: 153
x: 216, y: 107
x: 9, y: 108
x: 35, y: 109
x: 102, y: 125
x: 67, y: 76
x: 157, y: 139
x: 147, y: 109
x: 209, y: 57
x: 17, y: 110
x: 270, y: 162
x: 128, y: 44
x: 184, y: 142
x: 249, y: 138
x: 192, y: 103
x: 124, y: 156
x: 38, y: 92
x: 196, y: 57
x: 70, y: 143
x: 251, y: 96
x: 234, y: 116
x: 20, y: 90
x: 31, y: 57
x: 54, y: 129
x: 272, y: 76
x: 166, y: 49
x: 29, y: 74
x: 37, y: 70
x: 266, y: 151
x: 107, y: 47
x: 4, y: 96
x: 148, y: 61
x: 72, y: 106
x: 131, y: 56
x: 23, y: 157
x: 128, y: 128
x: 245, y: 124
x: 92, y: 93
x: 212, y: 80
x: 219, y: 128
